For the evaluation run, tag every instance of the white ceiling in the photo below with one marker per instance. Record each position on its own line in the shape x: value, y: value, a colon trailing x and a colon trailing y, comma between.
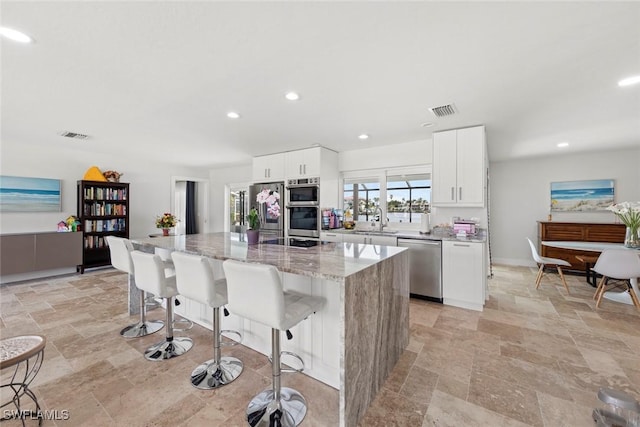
x: 149, y: 78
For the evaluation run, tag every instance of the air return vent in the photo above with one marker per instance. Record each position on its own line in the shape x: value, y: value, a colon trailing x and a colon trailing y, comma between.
x: 75, y: 135
x: 443, y: 110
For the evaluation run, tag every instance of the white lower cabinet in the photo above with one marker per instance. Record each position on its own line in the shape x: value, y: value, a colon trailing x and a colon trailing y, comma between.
x: 331, y: 237
x: 463, y: 274
x: 370, y: 240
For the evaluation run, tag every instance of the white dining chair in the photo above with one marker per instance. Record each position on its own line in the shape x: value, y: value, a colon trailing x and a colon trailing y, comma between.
x: 620, y: 264
x: 548, y: 262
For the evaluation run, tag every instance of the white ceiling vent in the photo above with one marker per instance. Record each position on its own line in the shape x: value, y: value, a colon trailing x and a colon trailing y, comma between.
x: 75, y: 135
x: 443, y: 110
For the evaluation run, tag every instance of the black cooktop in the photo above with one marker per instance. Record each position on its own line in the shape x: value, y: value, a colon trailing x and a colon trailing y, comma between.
x: 291, y: 241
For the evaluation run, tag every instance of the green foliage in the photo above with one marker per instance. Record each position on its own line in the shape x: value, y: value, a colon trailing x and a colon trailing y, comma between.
x: 254, y: 220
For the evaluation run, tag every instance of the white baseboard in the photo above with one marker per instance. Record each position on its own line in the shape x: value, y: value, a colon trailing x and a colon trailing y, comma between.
x: 515, y: 262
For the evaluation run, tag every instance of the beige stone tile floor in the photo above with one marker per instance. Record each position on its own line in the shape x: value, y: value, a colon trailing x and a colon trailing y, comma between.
x: 531, y: 358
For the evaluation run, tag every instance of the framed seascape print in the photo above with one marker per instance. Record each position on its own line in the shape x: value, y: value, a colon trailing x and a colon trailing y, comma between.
x: 582, y: 196
x: 22, y: 194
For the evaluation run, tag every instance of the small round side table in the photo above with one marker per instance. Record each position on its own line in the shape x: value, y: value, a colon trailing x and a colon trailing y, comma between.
x: 26, y: 353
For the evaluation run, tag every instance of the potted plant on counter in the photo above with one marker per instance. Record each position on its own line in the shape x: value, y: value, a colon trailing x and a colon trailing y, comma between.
x: 253, y: 233
x: 166, y: 222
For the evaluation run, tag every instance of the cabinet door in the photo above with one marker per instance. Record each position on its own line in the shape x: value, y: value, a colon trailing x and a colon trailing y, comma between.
x: 17, y: 253
x: 303, y: 163
x: 444, y: 180
x: 331, y: 237
x: 312, y: 160
x: 294, y: 164
x: 471, y: 175
x: 383, y: 240
x: 355, y: 238
x: 268, y: 168
x: 462, y: 274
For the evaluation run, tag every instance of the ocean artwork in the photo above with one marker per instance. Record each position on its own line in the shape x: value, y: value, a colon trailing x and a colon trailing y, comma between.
x: 581, y: 196
x: 21, y: 194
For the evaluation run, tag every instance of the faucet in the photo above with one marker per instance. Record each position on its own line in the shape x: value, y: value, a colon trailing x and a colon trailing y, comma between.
x: 382, y: 224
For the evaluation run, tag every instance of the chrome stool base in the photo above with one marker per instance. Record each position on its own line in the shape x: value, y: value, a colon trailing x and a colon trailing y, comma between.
x: 210, y: 375
x: 142, y: 329
x: 168, y: 349
x: 289, y: 411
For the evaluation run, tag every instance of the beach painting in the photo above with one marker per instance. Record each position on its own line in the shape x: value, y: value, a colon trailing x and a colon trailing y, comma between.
x: 22, y: 194
x: 581, y: 196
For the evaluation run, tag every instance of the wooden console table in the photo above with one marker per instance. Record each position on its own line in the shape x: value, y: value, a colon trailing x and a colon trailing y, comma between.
x: 576, y: 232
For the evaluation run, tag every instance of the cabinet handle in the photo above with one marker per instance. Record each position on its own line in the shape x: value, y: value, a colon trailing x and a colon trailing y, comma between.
x: 269, y: 172
x: 453, y: 195
x: 459, y: 193
x: 459, y: 244
x: 305, y: 169
x: 300, y: 169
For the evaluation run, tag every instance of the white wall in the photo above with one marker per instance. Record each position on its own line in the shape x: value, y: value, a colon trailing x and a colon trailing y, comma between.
x: 220, y: 179
x: 520, y: 195
x: 150, y: 183
x: 387, y: 156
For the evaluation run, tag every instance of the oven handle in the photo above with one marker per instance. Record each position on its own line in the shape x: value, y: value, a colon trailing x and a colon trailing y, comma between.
x: 302, y: 186
x: 302, y: 205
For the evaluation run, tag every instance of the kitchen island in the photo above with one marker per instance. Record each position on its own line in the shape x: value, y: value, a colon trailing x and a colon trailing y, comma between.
x: 354, y: 342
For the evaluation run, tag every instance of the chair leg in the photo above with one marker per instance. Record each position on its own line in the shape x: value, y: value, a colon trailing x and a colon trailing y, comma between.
x: 218, y: 371
x: 279, y: 406
x: 600, y: 291
x: 564, y: 282
x: 171, y: 346
x: 539, y: 276
x: 634, y: 297
x: 143, y: 327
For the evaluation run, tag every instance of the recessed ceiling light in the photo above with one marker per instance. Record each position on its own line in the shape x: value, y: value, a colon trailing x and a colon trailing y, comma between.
x: 292, y: 96
x: 233, y: 115
x: 363, y: 136
x: 15, y: 35
x: 629, y: 81
x: 563, y: 144
x: 426, y: 125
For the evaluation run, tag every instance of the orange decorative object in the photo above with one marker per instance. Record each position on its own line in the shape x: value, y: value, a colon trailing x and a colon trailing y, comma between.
x: 94, y: 174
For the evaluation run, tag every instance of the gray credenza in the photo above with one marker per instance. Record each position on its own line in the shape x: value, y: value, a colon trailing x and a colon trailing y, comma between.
x: 30, y: 252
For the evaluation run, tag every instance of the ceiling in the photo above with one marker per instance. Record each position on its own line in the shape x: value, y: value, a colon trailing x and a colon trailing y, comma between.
x: 153, y: 78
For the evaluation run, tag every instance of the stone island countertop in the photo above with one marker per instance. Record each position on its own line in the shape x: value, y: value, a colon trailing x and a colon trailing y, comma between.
x: 332, y: 261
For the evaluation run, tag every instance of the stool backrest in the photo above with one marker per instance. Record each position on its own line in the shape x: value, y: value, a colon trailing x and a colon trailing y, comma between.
x: 618, y: 264
x: 195, y: 279
x: 255, y: 292
x: 120, y: 250
x: 149, y: 273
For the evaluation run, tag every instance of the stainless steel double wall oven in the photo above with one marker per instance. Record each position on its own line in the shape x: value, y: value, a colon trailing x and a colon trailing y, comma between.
x: 303, y: 207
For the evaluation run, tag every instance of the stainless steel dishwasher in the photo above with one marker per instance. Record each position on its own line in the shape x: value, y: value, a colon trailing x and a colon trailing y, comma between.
x: 425, y: 267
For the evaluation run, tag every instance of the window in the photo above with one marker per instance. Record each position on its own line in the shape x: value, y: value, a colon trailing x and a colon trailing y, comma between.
x: 362, y: 198
x: 408, y: 196
x: 237, y: 209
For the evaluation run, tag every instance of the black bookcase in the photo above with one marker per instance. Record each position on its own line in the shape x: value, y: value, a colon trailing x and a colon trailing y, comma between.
x: 103, y: 210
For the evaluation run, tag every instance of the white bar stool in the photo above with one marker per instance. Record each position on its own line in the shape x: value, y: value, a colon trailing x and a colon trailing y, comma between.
x: 149, y: 271
x: 256, y: 293
x: 120, y: 250
x: 195, y: 280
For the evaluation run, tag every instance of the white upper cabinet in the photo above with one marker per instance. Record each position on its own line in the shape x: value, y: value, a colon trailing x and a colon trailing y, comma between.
x: 268, y: 168
x: 303, y: 163
x: 459, y: 167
